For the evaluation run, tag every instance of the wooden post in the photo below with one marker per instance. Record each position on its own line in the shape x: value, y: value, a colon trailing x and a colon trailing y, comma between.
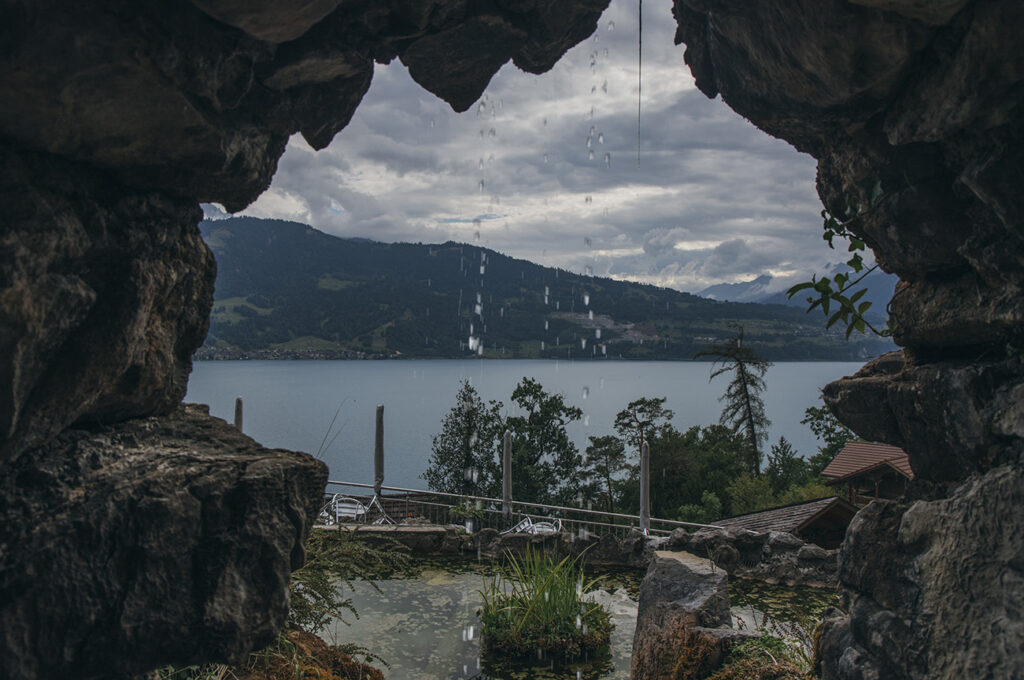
x: 238, y: 413
x: 645, y: 488
x: 506, y: 476
x: 378, y: 452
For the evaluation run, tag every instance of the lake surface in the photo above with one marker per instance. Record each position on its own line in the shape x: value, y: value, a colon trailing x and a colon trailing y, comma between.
x: 290, y: 404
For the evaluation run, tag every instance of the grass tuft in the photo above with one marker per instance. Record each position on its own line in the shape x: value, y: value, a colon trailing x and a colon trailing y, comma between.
x: 534, y: 607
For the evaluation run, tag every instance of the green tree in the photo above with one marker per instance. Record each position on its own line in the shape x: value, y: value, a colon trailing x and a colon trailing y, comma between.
x: 684, y: 465
x: 744, y: 408
x: 544, y: 459
x: 709, y: 509
x: 464, y: 457
x: 785, y: 468
x: 604, y: 464
x: 827, y: 429
x: 748, y: 493
x: 810, y: 491
x: 640, y: 417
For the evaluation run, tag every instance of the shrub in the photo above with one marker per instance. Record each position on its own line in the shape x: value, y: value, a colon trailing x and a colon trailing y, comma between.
x: 535, y: 606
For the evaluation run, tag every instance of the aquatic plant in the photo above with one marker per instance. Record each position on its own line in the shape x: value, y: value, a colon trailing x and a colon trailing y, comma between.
x: 535, y: 606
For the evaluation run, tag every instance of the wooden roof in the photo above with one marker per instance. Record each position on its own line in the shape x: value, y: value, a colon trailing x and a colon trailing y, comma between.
x: 790, y: 518
x: 857, y: 457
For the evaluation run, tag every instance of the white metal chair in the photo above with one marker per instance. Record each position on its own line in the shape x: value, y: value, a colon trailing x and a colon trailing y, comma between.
x: 528, y: 526
x: 341, y: 507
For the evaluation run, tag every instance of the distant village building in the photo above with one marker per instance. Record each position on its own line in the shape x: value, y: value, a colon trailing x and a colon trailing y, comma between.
x: 871, y: 471
x: 822, y: 521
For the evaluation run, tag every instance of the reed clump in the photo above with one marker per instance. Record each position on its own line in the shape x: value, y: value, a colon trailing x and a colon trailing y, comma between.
x: 535, y: 607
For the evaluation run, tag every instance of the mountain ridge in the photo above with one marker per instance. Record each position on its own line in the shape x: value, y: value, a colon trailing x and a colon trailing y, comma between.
x: 287, y: 289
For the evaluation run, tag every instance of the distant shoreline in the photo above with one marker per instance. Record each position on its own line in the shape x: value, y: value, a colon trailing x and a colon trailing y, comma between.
x: 343, y: 355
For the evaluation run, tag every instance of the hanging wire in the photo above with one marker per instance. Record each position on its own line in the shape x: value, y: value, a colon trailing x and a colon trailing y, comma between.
x: 639, y: 71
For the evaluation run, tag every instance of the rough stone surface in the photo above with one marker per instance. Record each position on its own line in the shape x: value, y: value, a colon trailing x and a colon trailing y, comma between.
x: 935, y: 589
x: 117, y: 118
x: 774, y: 557
x: 129, y: 546
x: 680, y: 592
x: 915, y: 112
x: 105, y: 293
x: 198, y: 99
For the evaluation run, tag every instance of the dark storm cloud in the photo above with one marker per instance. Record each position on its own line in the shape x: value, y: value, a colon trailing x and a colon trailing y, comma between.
x: 712, y: 198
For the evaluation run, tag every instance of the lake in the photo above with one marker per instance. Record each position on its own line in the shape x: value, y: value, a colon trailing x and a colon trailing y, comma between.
x: 290, y: 404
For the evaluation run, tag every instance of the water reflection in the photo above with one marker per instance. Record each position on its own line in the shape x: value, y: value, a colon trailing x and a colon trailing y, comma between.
x: 426, y: 627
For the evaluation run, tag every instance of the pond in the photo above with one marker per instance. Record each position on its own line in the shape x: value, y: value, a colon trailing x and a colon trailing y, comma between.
x: 426, y: 626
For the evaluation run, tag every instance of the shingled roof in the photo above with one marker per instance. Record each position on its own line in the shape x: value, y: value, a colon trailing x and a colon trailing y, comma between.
x: 790, y: 518
x: 859, y: 456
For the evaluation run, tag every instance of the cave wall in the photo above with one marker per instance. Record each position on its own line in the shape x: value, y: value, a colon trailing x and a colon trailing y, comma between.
x: 914, y: 113
x: 118, y: 117
x: 134, y: 533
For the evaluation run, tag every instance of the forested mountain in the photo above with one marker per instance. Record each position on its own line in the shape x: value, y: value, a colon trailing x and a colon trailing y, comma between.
x: 289, y: 288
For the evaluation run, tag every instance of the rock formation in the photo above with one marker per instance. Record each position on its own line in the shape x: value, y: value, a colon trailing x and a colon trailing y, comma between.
x: 132, y: 543
x: 118, y: 116
x: 683, y: 621
x: 914, y: 112
x: 129, y: 546
x: 772, y: 557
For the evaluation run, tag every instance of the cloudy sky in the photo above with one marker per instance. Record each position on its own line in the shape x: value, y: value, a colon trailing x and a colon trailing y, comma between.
x: 545, y: 168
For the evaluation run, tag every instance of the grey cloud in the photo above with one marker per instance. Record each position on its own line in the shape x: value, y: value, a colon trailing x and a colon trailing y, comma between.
x: 408, y: 168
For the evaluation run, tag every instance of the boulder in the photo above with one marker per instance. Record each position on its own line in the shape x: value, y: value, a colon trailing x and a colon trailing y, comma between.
x: 165, y: 539
x: 680, y: 593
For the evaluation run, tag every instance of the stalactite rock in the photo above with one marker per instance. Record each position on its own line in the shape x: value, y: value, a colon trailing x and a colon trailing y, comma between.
x: 915, y: 113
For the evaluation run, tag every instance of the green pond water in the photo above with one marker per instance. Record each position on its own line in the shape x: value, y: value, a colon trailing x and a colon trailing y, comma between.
x: 426, y: 626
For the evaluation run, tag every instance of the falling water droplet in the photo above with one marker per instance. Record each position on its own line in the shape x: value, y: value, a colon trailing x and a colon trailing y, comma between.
x: 432, y: 122
x: 608, y: 159
x: 586, y: 421
x: 481, y: 270
x: 545, y: 324
x: 545, y: 158
x: 547, y: 290
x: 611, y: 25
x: 588, y: 199
x: 604, y: 87
x: 590, y: 314
x: 586, y: 299
x: 558, y: 305
x: 583, y: 345
x: 481, y: 163
x: 482, y: 182
x: 541, y: 345
x: 597, y: 333
x: 587, y: 242
x: 590, y: 155
x: 600, y: 138
x: 589, y: 271
x: 606, y: 51
x: 593, y: 89
x: 586, y: 390
x: 604, y: 349
x: 545, y: 299
x: 491, y: 132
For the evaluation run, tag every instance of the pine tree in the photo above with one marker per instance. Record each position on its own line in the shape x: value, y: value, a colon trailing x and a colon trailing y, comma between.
x: 465, y: 456
x: 744, y: 408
